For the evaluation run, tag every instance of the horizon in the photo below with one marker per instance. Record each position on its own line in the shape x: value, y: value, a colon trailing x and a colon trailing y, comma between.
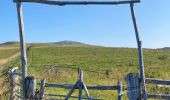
x: 109, y: 26
x: 75, y: 41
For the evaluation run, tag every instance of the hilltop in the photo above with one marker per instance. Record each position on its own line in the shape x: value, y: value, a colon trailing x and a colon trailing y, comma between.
x: 10, y: 43
x: 67, y: 42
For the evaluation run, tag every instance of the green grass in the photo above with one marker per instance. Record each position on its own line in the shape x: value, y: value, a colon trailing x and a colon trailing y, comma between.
x: 7, y: 53
x: 101, y: 65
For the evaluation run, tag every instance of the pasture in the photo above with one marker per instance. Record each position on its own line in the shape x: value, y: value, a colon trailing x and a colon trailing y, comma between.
x: 101, y: 65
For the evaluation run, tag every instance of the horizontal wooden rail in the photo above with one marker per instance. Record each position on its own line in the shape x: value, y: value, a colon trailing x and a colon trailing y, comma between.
x: 91, y: 87
x: 70, y: 96
x: 159, y: 96
x: 61, y: 3
x: 157, y: 81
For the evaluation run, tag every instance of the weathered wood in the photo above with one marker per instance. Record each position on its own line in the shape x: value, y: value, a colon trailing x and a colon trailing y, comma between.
x: 133, y: 86
x: 140, y: 53
x: 86, y: 91
x: 17, y: 73
x: 157, y: 81
x: 42, y: 87
x: 62, y: 3
x: 30, y: 83
x: 120, y: 89
x: 90, y: 87
x: 22, y: 45
x: 72, y: 90
x: 57, y: 95
x: 159, y: 96
x: 13, y: 79
x: 80, y: 91
x: 12, y: 87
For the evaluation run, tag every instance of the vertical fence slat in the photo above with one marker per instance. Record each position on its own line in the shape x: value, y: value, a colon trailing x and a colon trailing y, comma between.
x: 133, y: 86
x: 120, y: 88
x: 42, y: 86
x: 80, y: 91
x: 12, y: 86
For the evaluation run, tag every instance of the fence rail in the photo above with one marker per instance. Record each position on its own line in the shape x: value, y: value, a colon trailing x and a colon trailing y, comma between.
x: 70, y: 96
x: 159, y: 96
x: 157, y: 81
x: 89, y: 87
x: 79, y: 85
x: 14, y: 94
x: 61, y: 3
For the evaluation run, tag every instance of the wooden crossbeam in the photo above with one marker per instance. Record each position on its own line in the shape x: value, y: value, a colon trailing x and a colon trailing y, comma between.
x: 157, y: 81
x: 90, y: 87
x: 62, y: 3
x: 159, y: 96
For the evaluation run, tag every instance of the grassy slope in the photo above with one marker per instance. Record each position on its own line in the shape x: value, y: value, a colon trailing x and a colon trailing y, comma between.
x: 7, y: 53
x: 109, y: 64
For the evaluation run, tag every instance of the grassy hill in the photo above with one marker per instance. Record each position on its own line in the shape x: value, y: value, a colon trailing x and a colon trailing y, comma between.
x: 10, y: 43
x: 67, y: 42
x: 101, y: 65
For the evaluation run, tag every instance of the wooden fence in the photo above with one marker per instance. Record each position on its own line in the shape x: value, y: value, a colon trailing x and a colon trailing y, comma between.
x: 80, y: 85
x: 14, y: 84
x: 134, y: 89
x: 158, y: 82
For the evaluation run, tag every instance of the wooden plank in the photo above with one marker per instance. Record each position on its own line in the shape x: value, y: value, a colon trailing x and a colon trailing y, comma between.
x: 159, y: 96
x: 90, y: 87
x: 86, y: 91
x: 13, y: 78
x: 62, y: 3
x: 42, y: 87
x: 72, y: 90
x: 133, y: 86
x: 70, y: 96
x: 12, y: 87
x: 157, y: 81
x: 80, y: 91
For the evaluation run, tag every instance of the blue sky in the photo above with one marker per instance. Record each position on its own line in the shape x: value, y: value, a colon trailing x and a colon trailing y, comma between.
x: 98, y: 25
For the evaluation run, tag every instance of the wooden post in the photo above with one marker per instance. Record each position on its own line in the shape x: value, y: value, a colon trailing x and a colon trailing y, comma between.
x: 80, y: 90
x: 22, y: 45
x: 42, y: 86
x: 133, y: 86
x: 13, y: 79
x: 30, y: 83
x: 140, y: 53
x: 120, y: 90
x: 12, y: 92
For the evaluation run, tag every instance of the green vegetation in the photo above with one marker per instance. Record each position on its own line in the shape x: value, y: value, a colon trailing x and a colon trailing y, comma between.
x: 7, y: 53
x: 101, y: 65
